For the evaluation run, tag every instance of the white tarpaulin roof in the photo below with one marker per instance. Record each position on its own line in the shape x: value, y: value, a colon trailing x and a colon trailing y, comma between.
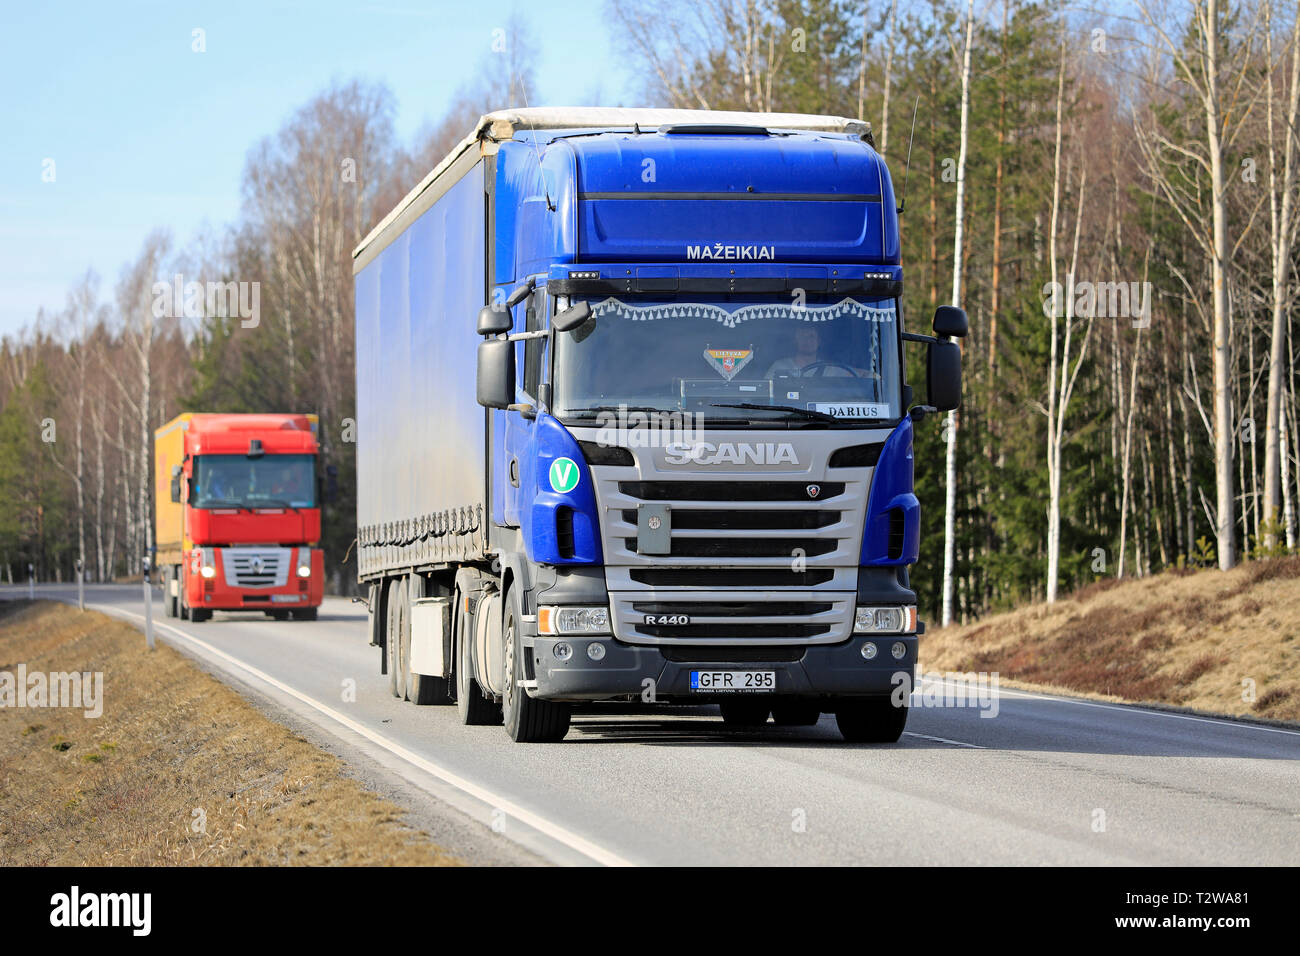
x: 503, y: 124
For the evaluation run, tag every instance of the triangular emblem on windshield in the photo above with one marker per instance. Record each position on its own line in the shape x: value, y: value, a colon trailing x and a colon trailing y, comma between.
x: 728, y: 362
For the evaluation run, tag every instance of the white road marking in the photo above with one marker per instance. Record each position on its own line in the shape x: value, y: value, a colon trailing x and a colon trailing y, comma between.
x: 1136, y: 709
x: 944, y: 740
x: 597, y: 854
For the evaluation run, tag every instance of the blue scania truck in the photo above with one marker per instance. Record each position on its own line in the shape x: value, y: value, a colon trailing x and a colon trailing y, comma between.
x: 633, y: 423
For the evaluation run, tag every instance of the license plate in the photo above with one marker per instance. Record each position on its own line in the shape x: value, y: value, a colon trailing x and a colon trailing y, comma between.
x: 738, y: 682
x: 285, y: 598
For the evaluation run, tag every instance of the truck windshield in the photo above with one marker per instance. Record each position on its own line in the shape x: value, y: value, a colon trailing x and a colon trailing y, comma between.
x: 272, y: 481
x: 827, y: 360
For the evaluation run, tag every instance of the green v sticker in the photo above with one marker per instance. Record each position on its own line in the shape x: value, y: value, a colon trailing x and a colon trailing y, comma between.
x: 564, y: 475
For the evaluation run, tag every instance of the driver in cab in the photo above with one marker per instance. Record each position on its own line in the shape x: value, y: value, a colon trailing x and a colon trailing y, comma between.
x: 807, y: 362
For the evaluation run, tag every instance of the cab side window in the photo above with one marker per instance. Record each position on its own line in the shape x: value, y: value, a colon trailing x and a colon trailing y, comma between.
x: 534, y: 348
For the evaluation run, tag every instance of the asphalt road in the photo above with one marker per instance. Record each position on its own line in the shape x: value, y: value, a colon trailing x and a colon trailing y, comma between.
x: 1049, y: 780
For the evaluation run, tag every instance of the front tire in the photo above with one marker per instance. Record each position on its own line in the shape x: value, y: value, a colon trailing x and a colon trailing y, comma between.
x: 871, y: 720
x: 527, y: 719
x: 304, y: 614
x: 169, y: 602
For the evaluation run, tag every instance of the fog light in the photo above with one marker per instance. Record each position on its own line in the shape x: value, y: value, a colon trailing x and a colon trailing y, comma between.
x: 899, y: 650
x: 563, y: 651
x: 869, y: 651
x: 596, y: 651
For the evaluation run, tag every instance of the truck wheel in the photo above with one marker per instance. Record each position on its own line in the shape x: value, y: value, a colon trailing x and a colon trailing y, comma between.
x: 167, y: 593
x: 871, y: 720
x: 796, y: 714
x: 174, y: 600
x: 393, y: 638
x: 475, y: 710
x: 745, y: 713
x: 527, y: 720
x: 199, y: 614
x: 304, y: 614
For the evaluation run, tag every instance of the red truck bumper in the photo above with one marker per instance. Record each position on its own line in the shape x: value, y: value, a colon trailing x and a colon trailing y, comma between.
x: 254, y: 579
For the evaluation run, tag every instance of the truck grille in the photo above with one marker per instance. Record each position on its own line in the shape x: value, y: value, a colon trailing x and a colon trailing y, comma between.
x: 748, y: 560
x: 730, y: 490
x: 729, y: 577
x: 256, y: 567
x: 706, y: 619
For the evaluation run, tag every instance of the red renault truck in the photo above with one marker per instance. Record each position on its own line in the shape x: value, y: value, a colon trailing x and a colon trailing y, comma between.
x: 237, y: 515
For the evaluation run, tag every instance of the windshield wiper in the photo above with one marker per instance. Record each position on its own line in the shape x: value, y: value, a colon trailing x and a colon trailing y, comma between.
x: 807, y: 413
x: 275, y: 503
x: 598, y: 409
x: 225, y: 503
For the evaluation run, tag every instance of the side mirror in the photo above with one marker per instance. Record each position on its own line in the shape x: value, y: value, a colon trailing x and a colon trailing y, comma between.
x: 494, y: 321
x: 951, y: 321
x: 496, y: 373
x: 176, y: 489
x: 943, y: 375
x: 571, y: 317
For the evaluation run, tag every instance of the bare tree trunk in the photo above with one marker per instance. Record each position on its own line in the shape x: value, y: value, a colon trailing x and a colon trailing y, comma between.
x: 1053, y: 479
x: 950, y: 470
x: 1225, y: 531
x: 889, y: 77
x: 1274, y: 466
x: 102, y: 572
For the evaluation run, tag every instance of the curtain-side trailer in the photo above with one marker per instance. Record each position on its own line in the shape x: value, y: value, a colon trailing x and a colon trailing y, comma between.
x: 633, y: 422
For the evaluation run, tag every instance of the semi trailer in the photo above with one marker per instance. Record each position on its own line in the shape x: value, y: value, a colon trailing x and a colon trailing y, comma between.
x: 237, y: 507
x: 634, y: 424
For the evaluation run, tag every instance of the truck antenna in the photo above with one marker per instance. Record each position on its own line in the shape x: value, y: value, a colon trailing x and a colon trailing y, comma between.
x: 546, y: 189
x: 902, y: 200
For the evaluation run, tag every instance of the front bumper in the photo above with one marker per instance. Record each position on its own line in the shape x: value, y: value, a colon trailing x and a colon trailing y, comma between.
x: 645, y: 673
x: 217, y: 594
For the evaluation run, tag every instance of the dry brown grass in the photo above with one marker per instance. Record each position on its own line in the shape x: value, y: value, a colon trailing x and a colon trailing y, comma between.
x: 122, y: 789
x: 1188, y: 639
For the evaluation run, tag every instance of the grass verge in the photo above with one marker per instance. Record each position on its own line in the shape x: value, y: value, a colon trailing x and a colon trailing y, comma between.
x: 178, y: 770
x: 1220, y: 642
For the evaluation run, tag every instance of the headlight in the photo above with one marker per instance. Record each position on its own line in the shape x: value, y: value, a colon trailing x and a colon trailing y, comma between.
x: 572, y: 620
x: 208, y: 562
x: 885, y: 620
x: 304, y: 562
x: 208, y: 571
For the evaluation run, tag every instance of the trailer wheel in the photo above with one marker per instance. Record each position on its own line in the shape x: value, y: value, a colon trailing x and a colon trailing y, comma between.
x: 393, y: 638
x: 796, y: 714
x: 742, y: 712
x: 527, y: 719
x: 871, y: 720
x: 169, y: 602
x: 475, y: 709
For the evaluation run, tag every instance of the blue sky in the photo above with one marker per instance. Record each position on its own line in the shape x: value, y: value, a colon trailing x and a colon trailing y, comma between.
x: 144, y: 132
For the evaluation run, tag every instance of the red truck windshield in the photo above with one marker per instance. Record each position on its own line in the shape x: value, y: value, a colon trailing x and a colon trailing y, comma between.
x: 286, y: 481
